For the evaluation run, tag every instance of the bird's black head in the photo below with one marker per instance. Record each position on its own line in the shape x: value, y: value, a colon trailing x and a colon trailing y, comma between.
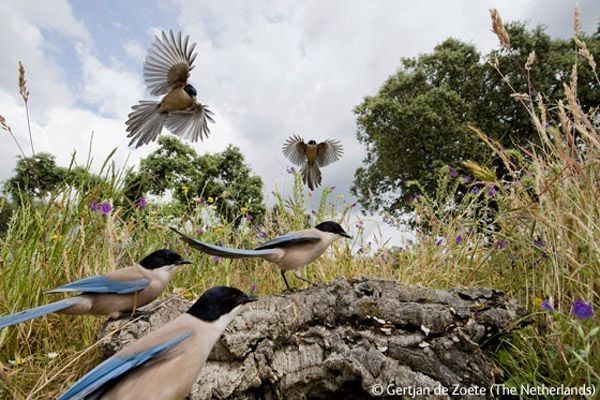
x: 312, y: 142
x: 218, y: 301
x: 333, y: 227
x: 189, y: 89
x: 162, y: 258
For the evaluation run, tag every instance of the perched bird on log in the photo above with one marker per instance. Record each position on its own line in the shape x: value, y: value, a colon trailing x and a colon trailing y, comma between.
x: 166, y: 71
x: 117, y: 292
x: 311, y: 157
x: 164, y: 364
x: 291, y: 252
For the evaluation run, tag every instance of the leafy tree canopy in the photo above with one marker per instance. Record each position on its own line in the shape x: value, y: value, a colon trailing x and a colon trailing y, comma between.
x: 35, y: 177
x: 223, y: 177
x: 418, y: 121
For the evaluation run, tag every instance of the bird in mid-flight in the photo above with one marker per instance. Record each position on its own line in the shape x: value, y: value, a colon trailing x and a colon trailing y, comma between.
x: 166, y: 71
x: 311, y: 157
x: 292, y: 251
x: 117, y: 292
x: 165, y: 363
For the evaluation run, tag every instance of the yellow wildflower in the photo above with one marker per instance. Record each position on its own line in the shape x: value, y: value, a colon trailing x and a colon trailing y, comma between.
x: 185, y: 189
x: 244, y: 210
x: 210, y: 200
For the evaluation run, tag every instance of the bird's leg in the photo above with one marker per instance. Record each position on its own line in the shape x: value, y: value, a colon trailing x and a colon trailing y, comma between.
x: 297, y: 274
x: 287, y: 285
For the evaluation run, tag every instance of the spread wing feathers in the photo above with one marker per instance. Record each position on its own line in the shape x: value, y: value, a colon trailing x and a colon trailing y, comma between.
x: 221, y: 251
x: 117, y: 367
x: 26, y: 315
x: 145, y: 123
x: 191, y: 123
x: 288, y: 240
x: 311, y: 175
x: 102, y: 284
x: 168, y: 63
x: 328, y: 152
x: 295, y: 150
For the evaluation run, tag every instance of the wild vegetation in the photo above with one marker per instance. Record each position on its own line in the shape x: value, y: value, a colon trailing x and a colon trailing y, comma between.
x: 532, y: 230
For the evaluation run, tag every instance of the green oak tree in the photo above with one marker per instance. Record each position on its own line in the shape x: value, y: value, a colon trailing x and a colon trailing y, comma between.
x: 35, y: 177
x: 419, y: 120
x: 176, y: 168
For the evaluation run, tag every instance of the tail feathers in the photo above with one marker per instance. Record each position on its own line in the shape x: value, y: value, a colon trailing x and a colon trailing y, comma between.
x: 221, y: 251
x: 145, y: 123
x: 26, y: 315
x: 311, y: 175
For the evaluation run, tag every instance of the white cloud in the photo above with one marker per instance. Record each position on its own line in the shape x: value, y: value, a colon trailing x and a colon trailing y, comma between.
x: 111, y: 88
x: 134, y: 50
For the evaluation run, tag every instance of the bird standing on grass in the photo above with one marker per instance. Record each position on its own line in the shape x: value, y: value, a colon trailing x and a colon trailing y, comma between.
x: 115, y: 293
x: 164, y: 364
x: 166, y: 71
x: 291, y: 252
x: 311, y: 157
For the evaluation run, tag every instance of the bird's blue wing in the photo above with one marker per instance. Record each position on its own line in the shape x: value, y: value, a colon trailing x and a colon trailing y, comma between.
x: 116, y: 367
x: 102, y: 284
x: 288, y: 240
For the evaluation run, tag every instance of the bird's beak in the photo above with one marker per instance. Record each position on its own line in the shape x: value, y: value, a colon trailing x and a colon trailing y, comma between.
x: 247, y: 299
x: 183, y: 262
x: 346, y: 235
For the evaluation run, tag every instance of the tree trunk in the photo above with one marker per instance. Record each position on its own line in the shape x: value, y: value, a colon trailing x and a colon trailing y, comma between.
x: 338, y: 340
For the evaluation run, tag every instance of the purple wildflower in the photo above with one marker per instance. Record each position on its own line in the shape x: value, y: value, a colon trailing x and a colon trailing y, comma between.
x: 95, y: 207
x: 452, y: 173
x: 353, y: 205
x: 502, y: 244
x: 200, y: 231
x: 215, y: 259
x: 475, y: 190
x: 201, y: 201
x: 439, y: 241
x: 253, y: 288
x: 141, y: 203
x: 105, y: 208
x: 332, y: 188
x: 262, y: 234
x: 248, y: 217
x: 459, y: 239
x: 290, y: 170
x: 466, y: 179
x: 582, y: 310
x: 546, y: 306
x: 491, y: 191
x: 538, y: 242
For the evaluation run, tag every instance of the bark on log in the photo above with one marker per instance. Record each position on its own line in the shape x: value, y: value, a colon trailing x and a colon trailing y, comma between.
x: 337, y: 340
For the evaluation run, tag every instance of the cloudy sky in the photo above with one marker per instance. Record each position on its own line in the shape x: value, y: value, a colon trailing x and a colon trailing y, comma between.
x: 268, y: 69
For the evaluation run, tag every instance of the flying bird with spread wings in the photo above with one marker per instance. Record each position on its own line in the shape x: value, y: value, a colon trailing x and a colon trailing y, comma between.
x: 166, y: 71
x: 311, y: 157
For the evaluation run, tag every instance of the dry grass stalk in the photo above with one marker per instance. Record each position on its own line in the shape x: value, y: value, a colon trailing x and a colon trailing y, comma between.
x: 23, y: 91
x: 499, y: 30
x: 577, y: 24
x: 585, y: 52
x: 530, y: 60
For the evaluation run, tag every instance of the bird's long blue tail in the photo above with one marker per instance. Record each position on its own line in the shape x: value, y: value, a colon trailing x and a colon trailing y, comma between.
x: 221, y: 251
x: 26, y: 315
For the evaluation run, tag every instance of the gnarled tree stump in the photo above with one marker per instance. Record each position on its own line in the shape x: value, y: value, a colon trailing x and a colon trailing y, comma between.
x: 337, y: 340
